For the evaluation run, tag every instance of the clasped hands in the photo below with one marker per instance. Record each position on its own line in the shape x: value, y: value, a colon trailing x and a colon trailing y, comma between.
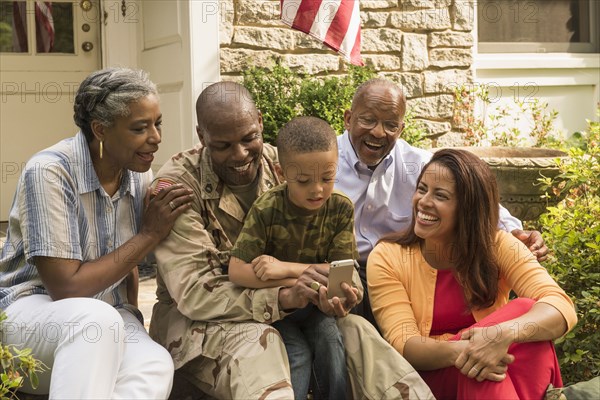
x: 301, y: 293
x: 484, y: 354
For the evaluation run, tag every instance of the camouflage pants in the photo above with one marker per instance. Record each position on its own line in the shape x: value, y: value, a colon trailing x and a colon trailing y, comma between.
x: 241, y: 361
x: 376, y: 369
x: 248, y: 361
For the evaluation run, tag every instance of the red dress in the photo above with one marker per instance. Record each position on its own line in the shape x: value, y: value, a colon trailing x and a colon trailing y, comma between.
x: 535, y: 364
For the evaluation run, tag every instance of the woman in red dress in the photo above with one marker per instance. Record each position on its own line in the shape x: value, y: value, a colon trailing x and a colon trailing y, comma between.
x: 440, y: 291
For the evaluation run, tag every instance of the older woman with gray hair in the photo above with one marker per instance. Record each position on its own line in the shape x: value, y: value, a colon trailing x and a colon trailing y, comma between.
x: 80, y: 222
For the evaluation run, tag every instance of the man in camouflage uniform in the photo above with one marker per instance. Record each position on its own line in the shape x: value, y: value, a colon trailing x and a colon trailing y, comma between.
x: 216, y: 332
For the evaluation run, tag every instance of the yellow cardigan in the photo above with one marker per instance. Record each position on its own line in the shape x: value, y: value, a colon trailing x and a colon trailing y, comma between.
x: 402, y: 286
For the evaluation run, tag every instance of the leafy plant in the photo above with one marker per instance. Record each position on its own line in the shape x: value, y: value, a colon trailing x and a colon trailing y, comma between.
x: 5, y: 37
x: 328, y: 98
x: 276, y: 94
x: 16, y: 365
x: 572, y: 233
x: 282, y: 94
x: 505, y: 126
x: 414, y: 132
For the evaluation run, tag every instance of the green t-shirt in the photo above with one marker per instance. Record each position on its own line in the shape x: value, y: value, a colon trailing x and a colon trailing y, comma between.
x: 275, y: 226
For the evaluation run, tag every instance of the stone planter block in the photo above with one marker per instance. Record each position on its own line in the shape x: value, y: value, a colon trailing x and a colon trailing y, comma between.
x: 517, y: 172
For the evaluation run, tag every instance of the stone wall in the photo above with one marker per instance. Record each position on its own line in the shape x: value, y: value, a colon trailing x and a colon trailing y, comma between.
x: 425, y: 45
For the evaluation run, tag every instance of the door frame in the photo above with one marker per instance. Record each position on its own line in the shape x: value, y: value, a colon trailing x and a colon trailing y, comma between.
x: 122, y: 46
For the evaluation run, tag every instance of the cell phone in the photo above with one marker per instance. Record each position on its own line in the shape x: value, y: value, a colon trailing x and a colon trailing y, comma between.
x: 339, y: 272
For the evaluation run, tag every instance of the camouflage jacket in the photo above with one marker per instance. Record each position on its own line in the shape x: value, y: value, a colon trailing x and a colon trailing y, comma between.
x: 193, y: 287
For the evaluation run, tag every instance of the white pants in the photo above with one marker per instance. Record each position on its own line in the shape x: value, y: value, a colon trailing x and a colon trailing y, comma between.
x: 92, y: 350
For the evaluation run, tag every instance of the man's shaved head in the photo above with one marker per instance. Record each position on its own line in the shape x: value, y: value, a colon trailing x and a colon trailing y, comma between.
x: 220, y: 100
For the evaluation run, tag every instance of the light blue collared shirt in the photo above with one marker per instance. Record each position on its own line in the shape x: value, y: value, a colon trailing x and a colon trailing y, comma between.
x: 383, y: 197
x: 61, y: 210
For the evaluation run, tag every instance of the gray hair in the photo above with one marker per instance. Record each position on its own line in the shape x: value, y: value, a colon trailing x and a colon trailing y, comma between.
x: 105, y: 95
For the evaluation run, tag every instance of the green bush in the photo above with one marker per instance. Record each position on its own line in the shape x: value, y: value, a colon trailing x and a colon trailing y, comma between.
x: 276, y: 94
x: 572, y: 233
x: 281, y: 94
x: 328, y: 98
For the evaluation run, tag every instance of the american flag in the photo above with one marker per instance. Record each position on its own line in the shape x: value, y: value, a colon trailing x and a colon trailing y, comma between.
x: 44, y: 27
x: 161, y: 184
x: 336, y: 23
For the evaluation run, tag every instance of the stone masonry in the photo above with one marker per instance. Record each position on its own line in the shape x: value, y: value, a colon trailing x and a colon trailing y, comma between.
x: 424, y: 45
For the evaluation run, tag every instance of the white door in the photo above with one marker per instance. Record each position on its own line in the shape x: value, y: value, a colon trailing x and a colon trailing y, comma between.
x: 180, y: 50
x: 46, y: 49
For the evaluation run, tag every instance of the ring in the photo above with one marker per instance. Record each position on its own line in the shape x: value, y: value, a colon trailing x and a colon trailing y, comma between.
x: 476, y: 370
x: 172, y: 205
x: 315, y: 286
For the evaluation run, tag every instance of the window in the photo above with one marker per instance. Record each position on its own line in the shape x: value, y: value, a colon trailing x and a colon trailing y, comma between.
x: 509, y: 26
x: 46, y: 27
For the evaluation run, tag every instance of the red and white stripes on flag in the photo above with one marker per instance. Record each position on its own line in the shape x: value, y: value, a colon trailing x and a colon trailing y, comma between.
x: 44, y: 27
x: 162, y: 183
x: 336, y: 23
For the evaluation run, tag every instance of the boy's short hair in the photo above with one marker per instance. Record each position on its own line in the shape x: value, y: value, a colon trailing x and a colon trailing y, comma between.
x: 305, y: 135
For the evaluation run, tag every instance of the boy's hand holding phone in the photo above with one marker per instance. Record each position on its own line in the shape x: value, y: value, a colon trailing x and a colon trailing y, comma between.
x: 340, y: 272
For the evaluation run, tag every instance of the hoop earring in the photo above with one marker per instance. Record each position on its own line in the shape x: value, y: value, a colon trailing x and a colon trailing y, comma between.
x: 101, y: 149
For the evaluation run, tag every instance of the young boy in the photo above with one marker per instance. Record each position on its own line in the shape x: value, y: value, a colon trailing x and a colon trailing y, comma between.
x: 297, y: 224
